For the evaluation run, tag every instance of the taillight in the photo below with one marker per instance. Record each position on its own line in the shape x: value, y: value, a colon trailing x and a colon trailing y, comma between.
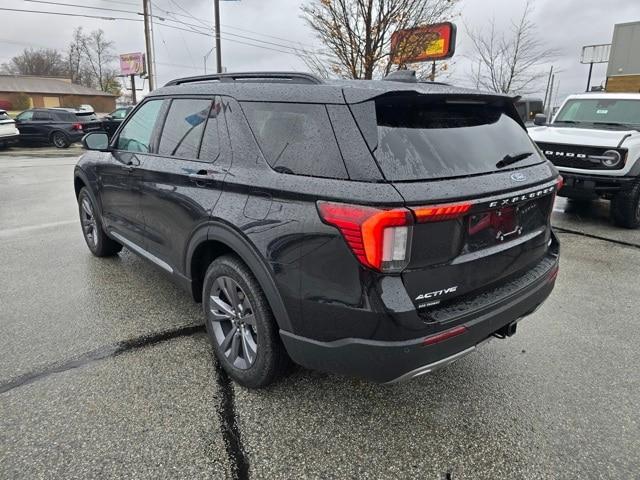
x: 560, y: 183
x: 437, y: 213
x: 380, y: 239
x: 76, y: 126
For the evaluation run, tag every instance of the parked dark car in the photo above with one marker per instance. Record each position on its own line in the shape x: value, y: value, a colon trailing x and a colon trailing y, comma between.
x: 381, y: 229
x: 111, y: 122
x: 55, y: 126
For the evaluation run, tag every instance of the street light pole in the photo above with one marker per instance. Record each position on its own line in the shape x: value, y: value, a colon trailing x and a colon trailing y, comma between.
x: 216, y: 14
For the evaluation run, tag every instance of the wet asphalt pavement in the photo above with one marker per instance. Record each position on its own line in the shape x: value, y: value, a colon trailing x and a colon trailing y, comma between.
x: 105, y: 372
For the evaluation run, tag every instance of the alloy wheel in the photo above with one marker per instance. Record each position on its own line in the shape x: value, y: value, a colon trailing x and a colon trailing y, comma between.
x: 233, y: 322
x: 59, y: 140
x: 89, y: 224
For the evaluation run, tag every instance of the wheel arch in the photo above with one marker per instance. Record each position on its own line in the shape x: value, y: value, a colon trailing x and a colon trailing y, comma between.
x: 216, y: 239
x: 57, y: 130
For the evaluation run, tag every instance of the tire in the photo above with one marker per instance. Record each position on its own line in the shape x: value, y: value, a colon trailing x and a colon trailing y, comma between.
x: 625, y: 208
x: 60, y: 140
x: 92, y: 231
x: 251, y: 352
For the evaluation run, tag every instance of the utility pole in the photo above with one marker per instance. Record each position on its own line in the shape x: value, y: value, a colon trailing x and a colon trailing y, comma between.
x: 153, y: 43
x: 147, y: 39
x: 216, y: 15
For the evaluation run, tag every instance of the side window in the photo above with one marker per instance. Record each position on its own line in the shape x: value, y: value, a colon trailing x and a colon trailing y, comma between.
x: 42, y: 116
x: 296, y: 138
x: 25, y: 116
x: 183, y: 128
x: 210, y: 150
x: 136, y: 134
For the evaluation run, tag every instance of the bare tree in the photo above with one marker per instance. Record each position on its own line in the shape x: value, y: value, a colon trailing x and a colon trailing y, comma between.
x: 43, y: 62
x: 99, y: 57
x: 76, y: 66
x: 91, y: 61
x: 510, y: 62
x: 356, y: 34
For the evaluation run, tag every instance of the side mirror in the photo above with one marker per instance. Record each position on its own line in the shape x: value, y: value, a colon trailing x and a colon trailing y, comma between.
x: 540, y: 119
x: 96, y: 141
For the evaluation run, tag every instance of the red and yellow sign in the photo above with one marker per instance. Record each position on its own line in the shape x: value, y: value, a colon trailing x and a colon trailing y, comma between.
x: 422, y: 44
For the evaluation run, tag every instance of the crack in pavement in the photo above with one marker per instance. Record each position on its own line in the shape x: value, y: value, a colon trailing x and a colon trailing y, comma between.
x: 100, y: 354
x: 229, y: 426
x: 596, y: 237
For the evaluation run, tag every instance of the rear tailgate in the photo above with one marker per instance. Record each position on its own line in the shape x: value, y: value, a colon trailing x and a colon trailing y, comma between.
x: 494, y: 238
x: 89, y: 121
x: 481, y: 191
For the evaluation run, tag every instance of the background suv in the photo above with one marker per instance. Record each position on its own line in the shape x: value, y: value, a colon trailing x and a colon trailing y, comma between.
x: 373, y: 228
x: 594, y: 141
x: 56, y: 126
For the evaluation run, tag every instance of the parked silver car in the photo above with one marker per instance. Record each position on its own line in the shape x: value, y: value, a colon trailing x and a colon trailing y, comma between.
x: 9, y: 134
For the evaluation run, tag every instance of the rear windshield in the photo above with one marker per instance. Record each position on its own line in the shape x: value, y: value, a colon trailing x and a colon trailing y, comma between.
x: 421, y: 139
x: 86, y: 116
x: 4, y: 116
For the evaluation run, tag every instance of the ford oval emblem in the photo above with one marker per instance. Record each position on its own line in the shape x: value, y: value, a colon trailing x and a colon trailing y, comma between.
x: 518, y: 177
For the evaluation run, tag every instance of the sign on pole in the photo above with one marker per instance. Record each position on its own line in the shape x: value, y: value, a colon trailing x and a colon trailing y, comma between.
x: 596, y: 53
x: 423, y: 44
x: 132, y: 64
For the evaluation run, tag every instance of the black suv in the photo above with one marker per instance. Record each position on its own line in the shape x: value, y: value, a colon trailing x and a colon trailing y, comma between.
x: 59, y: 127
x: 380, y: 229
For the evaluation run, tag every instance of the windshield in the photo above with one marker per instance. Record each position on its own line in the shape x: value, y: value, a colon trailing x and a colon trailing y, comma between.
x: 420, y: 139
x: 598, y: 111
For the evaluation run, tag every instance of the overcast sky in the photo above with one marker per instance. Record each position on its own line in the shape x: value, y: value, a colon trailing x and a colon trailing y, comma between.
x: 563, y: 24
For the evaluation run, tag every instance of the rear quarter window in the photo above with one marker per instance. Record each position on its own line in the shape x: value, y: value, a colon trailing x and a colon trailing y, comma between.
x: 296, y: 138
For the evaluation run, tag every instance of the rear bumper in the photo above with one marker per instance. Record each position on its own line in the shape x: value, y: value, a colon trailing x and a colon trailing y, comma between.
x: 591, y: 186
x: 394, y: 361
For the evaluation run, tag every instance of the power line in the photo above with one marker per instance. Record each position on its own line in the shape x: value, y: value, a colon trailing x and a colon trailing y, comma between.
x: 70, y: 14
x: 208, y: 28
x: 82, y: 6
x: 295, y: 52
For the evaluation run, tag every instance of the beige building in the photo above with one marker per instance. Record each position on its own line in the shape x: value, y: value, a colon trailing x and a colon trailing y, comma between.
x: 51, y: 92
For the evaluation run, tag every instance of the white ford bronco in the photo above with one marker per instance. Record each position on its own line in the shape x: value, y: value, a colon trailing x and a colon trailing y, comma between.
x: 594, y: 140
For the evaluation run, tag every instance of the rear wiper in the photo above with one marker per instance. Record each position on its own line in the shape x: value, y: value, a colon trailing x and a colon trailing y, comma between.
x: 511, y: 159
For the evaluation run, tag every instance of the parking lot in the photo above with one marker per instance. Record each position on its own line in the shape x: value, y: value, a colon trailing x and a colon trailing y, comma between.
x: 105, y: 371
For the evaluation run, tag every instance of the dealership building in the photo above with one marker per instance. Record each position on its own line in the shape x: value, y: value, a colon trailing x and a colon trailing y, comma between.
x: 51, y: 92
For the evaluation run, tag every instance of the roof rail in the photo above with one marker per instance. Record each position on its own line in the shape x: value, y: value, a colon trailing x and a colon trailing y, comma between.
x: 251, y: 77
